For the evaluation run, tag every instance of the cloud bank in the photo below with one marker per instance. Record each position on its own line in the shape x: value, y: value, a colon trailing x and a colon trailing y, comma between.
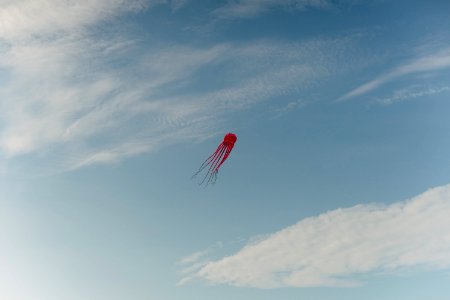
x: 334, y: 248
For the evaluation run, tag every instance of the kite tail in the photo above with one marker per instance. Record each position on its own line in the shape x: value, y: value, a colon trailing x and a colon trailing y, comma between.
x: 212, y: 162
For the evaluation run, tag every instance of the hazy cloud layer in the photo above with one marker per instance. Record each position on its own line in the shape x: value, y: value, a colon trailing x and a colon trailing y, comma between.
x: 332, y: 249
x: 96, y: 94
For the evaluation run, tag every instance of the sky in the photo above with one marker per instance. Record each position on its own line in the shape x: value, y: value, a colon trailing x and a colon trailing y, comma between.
x: 338, y: 186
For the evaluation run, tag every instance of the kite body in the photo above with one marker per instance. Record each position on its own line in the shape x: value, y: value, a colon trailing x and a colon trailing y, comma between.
x: 216, y: 160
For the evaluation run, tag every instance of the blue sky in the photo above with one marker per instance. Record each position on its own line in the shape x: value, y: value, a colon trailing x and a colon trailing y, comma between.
x: 338, y: 186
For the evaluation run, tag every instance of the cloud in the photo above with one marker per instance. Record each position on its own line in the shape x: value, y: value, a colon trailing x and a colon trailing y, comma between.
x: 194, y: 257
x: 336, y: 247
x: 253, y: 8
x: 434, y: 62
x: 68, y: 90
x: 82, y: 99
x: 411, y: 93
x: 81, y: 87
x: 23, y: 18
x: 291, y: 106
x: 79, y: 102
x: 178, y: 4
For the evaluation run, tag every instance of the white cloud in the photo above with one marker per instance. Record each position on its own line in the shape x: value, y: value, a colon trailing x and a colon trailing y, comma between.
x: 78, y: 92
x: 236, y: 9
x: 178, y: 4
x: 253, y: 8
x: 194, y: 257
x: 436, y: 61
x: 291, y: 106
x: 411, y: 93
x: 25, y: 18
x: 71, y: 102
x: 332, y: 249
x: 86, y: 99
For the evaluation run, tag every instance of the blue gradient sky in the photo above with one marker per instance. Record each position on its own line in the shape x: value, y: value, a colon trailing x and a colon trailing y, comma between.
x: 337, y: 188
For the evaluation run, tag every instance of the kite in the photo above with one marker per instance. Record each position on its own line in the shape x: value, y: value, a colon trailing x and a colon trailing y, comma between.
x: 217, y: 159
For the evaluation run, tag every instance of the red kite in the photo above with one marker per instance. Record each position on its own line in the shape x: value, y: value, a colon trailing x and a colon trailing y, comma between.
x: 217, y: 158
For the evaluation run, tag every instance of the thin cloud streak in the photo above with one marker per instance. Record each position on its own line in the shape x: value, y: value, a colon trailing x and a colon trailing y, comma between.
x: 246, y: 9
x: 334, y: 248
x: 252, y: 8
x: 434, y: 62
x: 411, y: 93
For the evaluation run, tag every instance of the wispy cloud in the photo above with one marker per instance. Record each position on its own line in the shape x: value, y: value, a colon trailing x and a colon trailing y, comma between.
x: 195, y: 261
x: 253, y: 8
x: 194, y: 257
x: 97, y: 94
x: 245, y: 9
x: 332, y: 249
x: 434, y: 62
x: 26, y: 19
x: 178, y: 4
x: 66, y: 94
x: 291, y: 106
x: 411, y: 93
